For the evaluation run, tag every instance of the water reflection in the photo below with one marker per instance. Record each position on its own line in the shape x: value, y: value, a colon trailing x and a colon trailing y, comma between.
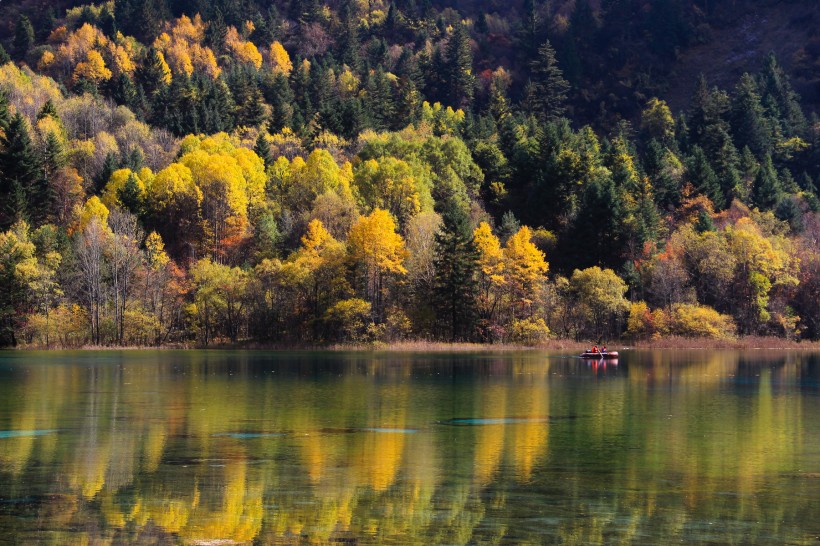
x: 523, y: 448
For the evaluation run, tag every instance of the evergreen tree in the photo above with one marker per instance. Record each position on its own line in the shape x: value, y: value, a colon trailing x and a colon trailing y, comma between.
x: 279, y: 95
x: 595, y: 236
x: 702, y: 176
x: 667, y: 192
x: 348, y: 42
x: 262, y: 149
x: 749, y: 124
x: 23, y: 36
x: 107, y: 23
x: 53, y: 159
x: 131, y: 197
x: 704, y: 222
x: 766, y: 190
x: 124, y: 92
x: 48, y: 109
x: 380, y: 102
x: 151, y: 73
x: 459, y: 80
x: 549, y: 88
x: 509, y: 226
x: 4, y: 56
x: 216, y: 33
x: 780, y: 100
x: 110, y: 165
x: 454, y: 289
x: 352, y: 117
x: 531, y: 28
x: 19, y: 166
x: 141, y: 18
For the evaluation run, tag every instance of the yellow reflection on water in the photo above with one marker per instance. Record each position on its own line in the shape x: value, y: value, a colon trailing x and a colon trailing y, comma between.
x: 216, y: 452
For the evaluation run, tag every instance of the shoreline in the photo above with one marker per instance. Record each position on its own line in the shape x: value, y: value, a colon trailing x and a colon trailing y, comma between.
x: 668, y: 343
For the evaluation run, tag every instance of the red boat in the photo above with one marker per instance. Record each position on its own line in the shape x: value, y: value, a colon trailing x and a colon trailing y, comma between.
x: 600, y: 356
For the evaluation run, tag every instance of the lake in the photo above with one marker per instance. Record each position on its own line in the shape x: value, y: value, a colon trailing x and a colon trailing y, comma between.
x: 216, y: 447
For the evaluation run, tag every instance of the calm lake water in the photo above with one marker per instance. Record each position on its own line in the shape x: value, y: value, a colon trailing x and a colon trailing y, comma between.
x: 207, y: 447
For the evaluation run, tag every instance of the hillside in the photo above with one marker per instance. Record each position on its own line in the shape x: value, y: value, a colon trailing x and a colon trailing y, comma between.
x: 178, y: 171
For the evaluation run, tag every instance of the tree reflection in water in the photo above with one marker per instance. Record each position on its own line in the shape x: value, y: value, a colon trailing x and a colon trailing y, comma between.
x: 408, y: 448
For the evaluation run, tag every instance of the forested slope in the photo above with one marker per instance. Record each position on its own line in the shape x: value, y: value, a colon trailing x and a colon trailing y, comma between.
x: 183, y: 171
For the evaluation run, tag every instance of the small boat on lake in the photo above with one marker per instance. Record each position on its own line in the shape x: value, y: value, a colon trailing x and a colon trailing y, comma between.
x: 599, y: 356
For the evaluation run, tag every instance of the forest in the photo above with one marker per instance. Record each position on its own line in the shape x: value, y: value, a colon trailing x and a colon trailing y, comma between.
x: 183, y: 172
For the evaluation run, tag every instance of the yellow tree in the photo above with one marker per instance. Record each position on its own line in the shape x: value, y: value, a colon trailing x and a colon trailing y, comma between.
x: 318, y: 268
x: 379, y: 253
x: 92, y: 69
x: 279, y: 59
x: 491, y: 279
x: 174, y: 200
x: 244, y: 51
x: 599, y: 295
x: 524, y: 271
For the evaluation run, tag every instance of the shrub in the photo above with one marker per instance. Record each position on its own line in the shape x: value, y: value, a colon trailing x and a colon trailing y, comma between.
x: 530, y: 331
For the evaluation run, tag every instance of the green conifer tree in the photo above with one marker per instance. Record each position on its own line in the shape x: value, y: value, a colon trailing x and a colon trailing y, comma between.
x: 460, y: 81
x: 454, y: 290
x: 23, y: 36
x: 549, y: 88
x: 766, y: 190
x: 702, y: 176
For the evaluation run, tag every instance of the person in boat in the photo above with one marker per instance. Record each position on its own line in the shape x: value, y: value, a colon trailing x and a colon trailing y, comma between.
x: 594, y: 349
x: 603, y: 350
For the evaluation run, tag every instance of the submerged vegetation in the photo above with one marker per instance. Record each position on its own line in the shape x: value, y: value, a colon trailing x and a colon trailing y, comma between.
x: 191, y: 172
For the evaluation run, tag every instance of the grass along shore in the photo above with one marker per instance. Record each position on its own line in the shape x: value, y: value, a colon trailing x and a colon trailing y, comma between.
x: 671, y: 342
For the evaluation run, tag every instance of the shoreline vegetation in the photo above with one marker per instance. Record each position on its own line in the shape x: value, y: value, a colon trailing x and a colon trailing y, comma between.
x: 669, y: 343
x: 359, y: 174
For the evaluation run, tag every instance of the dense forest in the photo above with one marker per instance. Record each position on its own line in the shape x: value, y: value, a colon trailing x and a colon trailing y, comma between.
x: 191, y: 172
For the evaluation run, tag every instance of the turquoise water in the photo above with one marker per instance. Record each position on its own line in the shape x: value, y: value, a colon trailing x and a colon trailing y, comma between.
x: 195, y: 447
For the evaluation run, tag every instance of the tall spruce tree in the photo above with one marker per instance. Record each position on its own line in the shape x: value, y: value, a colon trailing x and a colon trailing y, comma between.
x: 749, y: 124
x: 20, y: 167
x: 549, y: 88
x: 23, y: 36
x: 766, y: 190
x: 780, y: 100
x: 703, y: 177
x: 454, y: 289
x: 459, y: 78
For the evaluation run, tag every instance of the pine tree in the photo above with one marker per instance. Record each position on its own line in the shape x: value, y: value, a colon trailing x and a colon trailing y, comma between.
x: 460, y: 81
x: 379, y: 100
x: 19, y: 165
x: 130, y: 196
x: 279, y: 95
x: 107, y: 22
x: 531, y: 23
x: 110, y: 165
x: 152, y: 74
x: 52, y: 159
x: 216, y: 33
x: 23, y: 36
x: 549, y: 88
x: 702, y: 176
x: 4, y: 56
x: 348, y: 43
x: 124, y: 92
x: 766, y: 190
x: 262, y: 149
x: 780, y: 100
x: 454, y: 289
x: 749, y: 124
